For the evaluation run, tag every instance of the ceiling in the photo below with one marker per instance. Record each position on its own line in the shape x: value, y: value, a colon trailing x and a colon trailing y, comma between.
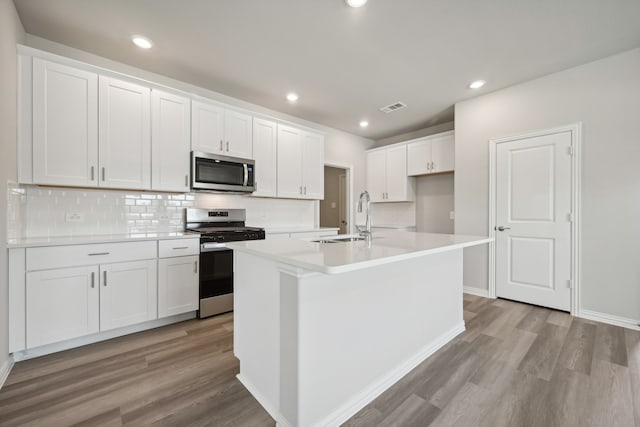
x: 345, y: 63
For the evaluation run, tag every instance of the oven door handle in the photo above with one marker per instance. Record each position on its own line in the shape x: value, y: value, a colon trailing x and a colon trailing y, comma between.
x: 212, y: 247
x: 246, y: 174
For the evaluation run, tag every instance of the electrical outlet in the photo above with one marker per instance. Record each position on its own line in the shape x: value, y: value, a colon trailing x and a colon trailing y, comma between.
x: 74, y: 217
x: 452, y: 215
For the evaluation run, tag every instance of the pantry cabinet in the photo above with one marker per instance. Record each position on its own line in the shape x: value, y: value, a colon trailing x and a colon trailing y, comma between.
x: 300, y: 172
x: 433, y: 154
x: 170, y: 141
x: 65, y: 124
x: 266, y: 157
x: 387, y: 179
x: 124, y: 134
x: 217, y: 130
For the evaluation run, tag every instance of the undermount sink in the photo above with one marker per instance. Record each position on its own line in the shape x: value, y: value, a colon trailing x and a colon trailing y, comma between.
x: 339, y: 239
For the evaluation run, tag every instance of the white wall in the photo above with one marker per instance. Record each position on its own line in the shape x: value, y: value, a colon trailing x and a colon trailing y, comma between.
x: 11, y: 32
x: 340, y: 147
x: 605, y: 96
x: 434, y: 202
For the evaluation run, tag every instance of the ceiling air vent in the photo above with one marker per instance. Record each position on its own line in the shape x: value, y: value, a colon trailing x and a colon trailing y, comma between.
x: 393, y: 107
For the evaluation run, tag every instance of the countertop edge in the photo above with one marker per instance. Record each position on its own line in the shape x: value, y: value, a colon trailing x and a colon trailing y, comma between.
x: 98, y: 239
x: 358, y: 265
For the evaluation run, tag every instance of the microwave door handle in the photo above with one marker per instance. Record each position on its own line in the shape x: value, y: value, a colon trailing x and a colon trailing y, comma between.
x: 246, y: 174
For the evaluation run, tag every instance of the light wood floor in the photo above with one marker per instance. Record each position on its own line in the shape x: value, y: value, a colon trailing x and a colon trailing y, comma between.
x: 516, y: 365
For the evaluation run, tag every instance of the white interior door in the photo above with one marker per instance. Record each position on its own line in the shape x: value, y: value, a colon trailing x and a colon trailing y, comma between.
x: 533, y: 220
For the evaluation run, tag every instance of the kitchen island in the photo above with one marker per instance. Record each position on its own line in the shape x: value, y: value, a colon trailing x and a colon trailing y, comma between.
x: 321, y: 329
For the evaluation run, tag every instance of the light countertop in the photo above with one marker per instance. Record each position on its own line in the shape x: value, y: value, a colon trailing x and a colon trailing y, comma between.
x: 108, y: 238
x: 333, y: 258
x: 280, y: 230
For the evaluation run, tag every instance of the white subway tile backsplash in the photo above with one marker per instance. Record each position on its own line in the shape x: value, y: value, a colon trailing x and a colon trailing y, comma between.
x: 41, y: 212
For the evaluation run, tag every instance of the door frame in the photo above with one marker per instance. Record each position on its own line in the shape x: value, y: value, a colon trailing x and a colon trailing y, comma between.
x: 576, y: 184
x: 349, y: 177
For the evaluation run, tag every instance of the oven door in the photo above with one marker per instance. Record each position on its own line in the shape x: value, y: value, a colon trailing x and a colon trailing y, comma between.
x: 221, y: 173
x: 216, y: 280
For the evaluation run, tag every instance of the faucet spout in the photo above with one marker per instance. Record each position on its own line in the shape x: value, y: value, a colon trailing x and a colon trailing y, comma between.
x: 364, y: 196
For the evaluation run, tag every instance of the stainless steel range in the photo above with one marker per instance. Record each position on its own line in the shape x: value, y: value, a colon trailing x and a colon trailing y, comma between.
x: 216, y: 228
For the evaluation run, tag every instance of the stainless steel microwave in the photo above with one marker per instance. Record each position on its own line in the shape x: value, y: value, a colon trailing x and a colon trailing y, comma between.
x: 213, y: 172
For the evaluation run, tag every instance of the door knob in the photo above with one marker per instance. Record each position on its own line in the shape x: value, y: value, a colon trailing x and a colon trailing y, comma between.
x: 501, y: 228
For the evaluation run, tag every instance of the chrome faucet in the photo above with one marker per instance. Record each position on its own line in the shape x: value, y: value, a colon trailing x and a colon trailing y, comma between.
x: 367, y: 231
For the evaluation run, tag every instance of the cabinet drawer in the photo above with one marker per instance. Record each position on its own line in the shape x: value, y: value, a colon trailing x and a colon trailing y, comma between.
x: 178, y: 247
x: 78, y: 255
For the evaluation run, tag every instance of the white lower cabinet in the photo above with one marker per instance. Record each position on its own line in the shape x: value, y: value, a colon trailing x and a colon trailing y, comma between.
x: 128, y: 294
x: 61, y: 304
x: 178, y: 280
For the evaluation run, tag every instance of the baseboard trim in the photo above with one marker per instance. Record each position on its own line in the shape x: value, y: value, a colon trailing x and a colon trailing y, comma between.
x: 5, y: 370
x: 102, y: 336
x: 476, y: 291
x: 362, y: 399
x: 274, y: 412
x: 610, y: 319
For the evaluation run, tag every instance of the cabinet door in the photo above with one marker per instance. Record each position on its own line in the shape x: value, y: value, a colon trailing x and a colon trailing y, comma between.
x: 207, y: 127
x: 265, y: 155
x: 65, y: 125
x: 171, y: 141
x: 238, y: 130
x: 128, y: 293
x: 61, y: 304
x: 177, y: 285
x: 312, y: 166
x: 289, y: 172
x: 442, y: 153
x: 418, y: 157
x: 125, y: 135
x: 376, y: 175
x: 396, y: 168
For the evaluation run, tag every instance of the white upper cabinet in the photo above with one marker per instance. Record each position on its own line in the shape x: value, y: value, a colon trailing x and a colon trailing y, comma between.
x: 124, y: 134
x: 171, y: 141
x: 220, y: 131
x: 387, y: 179
x: 313, y: 165
x: 300, y: 171
x: 433, y: 154
x: 265, y: 155
x: 65, y: 125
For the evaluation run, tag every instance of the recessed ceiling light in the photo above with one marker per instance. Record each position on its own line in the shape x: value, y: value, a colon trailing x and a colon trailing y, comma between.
x: 356, y: 3
x: 477, y: 84
x: 142, y: 42
x: 292, y: 97
x: 364, y: 124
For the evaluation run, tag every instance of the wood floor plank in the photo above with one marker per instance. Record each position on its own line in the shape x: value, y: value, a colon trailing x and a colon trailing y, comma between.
x: 578, y: 348
x: 611, y: 344
x: 543, y: 355
x: 515, y: 365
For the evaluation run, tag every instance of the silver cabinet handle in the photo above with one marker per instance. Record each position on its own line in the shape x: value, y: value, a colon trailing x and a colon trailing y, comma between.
x: 301, y: 189
x: 305, y: 190
x: 180, y: 247
x: 103, y: 174
x: 433, y: 166
x: 195, y: 267
x: 221, y: 145
x: 255, y: 185
x: 99, y: 253
x: 501, y: 228
x: 104, y: 281
x: 428, y: 166
x: 227, y: 145
x: 92, y: 173
x: 186, y: 180
x: 93, y: 279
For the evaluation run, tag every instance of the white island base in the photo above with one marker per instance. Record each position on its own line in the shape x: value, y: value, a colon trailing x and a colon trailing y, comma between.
x: 315, y: 348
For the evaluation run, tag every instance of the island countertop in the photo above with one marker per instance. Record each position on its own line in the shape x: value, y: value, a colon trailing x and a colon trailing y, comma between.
x: 334, y: 258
